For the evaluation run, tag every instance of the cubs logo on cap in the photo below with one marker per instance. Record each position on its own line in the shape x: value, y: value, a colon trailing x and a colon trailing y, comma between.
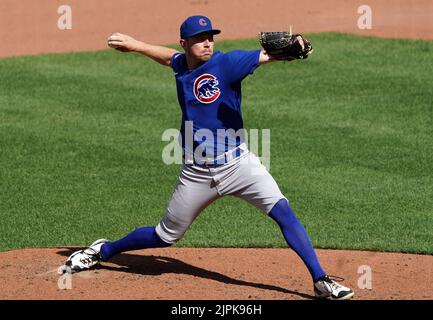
x: 202, y: 22
x: 195, y: 25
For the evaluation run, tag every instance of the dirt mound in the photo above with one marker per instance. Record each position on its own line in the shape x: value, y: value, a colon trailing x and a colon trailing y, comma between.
x: 31, y: 27
x: 212, y: 274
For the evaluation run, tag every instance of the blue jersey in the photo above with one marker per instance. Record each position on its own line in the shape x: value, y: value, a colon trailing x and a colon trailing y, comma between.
x: 210, y: 99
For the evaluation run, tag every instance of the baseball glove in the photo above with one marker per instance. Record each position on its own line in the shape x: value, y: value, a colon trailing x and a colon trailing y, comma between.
x: 285, y: 46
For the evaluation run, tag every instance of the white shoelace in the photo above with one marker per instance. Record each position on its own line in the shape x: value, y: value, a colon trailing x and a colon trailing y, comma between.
x: 91, y: 257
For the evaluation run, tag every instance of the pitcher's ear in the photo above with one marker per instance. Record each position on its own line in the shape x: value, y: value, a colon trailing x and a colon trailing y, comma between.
x: 182, y: 43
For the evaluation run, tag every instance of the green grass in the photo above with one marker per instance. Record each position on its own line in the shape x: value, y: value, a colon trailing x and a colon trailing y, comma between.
x: 351, y: 147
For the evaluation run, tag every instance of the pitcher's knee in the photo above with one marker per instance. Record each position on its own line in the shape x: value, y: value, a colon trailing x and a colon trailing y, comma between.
x: 168, y: 236
x: 173, y: 226
x: 161, y: 242
x: 282, y: 213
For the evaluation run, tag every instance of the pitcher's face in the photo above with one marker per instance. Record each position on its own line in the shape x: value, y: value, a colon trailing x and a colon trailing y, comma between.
x: 199, y: 47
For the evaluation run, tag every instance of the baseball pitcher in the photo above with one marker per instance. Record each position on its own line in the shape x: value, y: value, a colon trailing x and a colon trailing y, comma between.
x: 209, y: 93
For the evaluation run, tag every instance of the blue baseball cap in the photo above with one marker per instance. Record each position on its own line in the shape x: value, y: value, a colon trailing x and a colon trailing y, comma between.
x: 195, y: 25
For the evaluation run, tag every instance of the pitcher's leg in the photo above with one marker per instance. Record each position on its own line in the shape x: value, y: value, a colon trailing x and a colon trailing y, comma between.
x: 296, y: 237
x: 193, y: 193
x: 144, y: 237
x: 259, y: 188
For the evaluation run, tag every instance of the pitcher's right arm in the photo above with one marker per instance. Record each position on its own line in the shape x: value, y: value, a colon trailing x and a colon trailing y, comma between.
x: 125, y: 43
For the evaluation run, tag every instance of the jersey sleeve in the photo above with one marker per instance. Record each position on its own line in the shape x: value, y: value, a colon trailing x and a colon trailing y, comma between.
x: 176, y: 61
x: 240, y: 63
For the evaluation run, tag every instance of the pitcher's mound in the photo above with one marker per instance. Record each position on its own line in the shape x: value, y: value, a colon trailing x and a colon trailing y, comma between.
x: 212, y: 274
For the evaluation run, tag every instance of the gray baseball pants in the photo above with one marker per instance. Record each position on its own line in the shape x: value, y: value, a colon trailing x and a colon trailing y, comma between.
x: 197, y: 187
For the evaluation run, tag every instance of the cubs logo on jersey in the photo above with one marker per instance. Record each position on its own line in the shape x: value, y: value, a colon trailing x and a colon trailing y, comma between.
x: 206, y: 88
